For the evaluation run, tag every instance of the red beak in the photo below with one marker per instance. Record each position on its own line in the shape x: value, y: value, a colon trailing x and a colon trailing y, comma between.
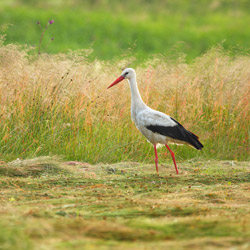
x: 119, y: 79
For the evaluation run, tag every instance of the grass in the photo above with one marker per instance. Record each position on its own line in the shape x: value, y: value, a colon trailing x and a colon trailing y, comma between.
x: 60, y: 105
x: 112, y: 30
x: 124, y: 205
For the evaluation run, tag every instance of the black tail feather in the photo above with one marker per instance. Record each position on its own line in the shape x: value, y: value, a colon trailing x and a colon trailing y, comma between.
x: 177, y: 132
x: 194, y: 140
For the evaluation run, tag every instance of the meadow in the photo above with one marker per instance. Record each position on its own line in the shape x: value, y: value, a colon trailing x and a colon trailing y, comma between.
x: 74, y: 171
x: 59, y: 105
x: 115, y: 29
x: 50, y: 204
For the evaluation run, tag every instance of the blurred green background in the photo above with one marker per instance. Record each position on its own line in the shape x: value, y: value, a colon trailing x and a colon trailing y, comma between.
x: 116, y: 29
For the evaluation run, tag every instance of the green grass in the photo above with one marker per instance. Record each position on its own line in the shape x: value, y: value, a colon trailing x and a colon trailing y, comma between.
x: 60, y: 105
x: 124, y: 205
x: 122, y: 30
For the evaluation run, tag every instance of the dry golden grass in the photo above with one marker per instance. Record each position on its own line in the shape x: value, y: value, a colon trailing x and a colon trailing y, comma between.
x: 60, y: 104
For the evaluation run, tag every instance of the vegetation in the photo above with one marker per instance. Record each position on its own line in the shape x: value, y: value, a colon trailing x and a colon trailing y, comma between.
x: 60, y: 105
x: 139, y: 28
x: 50, y: 204
x: 192, y: 62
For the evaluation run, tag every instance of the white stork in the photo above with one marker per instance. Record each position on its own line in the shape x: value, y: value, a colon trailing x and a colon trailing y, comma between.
x: 156, y: 126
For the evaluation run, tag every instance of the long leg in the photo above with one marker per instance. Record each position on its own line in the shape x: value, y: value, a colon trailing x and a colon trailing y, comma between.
x: 172, y: 154
x: 156, y: 158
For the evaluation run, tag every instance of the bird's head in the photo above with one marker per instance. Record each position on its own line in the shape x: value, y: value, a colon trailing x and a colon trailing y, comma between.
x: 126, y: 74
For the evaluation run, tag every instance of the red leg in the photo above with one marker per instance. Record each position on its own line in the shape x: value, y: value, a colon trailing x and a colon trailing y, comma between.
x: 172, y: 154
x: 156, y: 158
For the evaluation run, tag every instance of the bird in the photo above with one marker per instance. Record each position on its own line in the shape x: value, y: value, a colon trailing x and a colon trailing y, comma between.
x: 157, y: 127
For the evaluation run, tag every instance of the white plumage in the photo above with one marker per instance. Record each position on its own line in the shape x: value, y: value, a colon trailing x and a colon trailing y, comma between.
x: 149, y: 117
x: 156, y: 126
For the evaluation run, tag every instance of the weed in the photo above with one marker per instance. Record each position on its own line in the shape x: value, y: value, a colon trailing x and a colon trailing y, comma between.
x: 43, y: 30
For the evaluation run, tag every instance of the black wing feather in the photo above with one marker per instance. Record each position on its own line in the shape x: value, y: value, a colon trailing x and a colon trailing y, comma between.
x: 177, y: 132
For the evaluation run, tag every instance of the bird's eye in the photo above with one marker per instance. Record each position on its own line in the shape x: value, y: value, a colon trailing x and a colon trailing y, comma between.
x: 125, y: 73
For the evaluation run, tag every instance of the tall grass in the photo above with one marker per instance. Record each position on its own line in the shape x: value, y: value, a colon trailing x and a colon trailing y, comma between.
x: 59, y: 104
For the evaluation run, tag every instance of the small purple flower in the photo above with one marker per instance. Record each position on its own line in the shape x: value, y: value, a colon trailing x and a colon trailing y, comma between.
x: 51, y: 21
x: 38, y: 22
x: 52, y: 38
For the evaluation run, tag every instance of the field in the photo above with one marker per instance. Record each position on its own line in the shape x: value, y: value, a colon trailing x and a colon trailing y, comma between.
x: 60, y: 105
x: 75, y: 173
x: 50, y: 204
x: 116, y: 30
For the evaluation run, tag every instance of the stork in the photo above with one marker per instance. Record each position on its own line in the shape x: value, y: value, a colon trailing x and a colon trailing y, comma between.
x: 156, y: 126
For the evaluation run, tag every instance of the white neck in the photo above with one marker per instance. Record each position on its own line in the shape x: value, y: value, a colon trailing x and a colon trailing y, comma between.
x: 137, y: 103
